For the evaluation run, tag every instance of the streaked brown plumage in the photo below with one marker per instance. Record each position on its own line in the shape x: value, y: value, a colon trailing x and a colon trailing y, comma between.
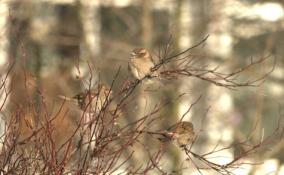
x: 182, y: 133
x: 140, y: 63
x: 93, y: 100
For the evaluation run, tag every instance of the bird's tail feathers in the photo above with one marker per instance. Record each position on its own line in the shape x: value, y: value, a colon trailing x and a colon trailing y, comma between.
x: 65, y: 98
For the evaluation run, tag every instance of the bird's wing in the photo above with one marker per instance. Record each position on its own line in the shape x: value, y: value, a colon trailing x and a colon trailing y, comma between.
x: 165, y: 137
x: 134, y: 70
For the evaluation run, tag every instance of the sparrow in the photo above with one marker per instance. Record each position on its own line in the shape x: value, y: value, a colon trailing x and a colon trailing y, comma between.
x: 93, y: 100
x: 181, y: 133
x: 141, y: 63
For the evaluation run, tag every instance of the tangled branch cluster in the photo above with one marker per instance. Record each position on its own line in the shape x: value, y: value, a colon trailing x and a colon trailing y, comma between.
x: 99, y: 144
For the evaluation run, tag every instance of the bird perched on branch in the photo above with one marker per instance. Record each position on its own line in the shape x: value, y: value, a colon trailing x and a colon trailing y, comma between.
x: 141, y: 63
x: 101, y: 112
x: 181, y: 133
x: 93, y: 100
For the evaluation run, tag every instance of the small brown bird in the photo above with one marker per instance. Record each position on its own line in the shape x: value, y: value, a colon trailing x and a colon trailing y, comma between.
x: 182, y: 133
x: 93, y: 100
x: 140, y: 63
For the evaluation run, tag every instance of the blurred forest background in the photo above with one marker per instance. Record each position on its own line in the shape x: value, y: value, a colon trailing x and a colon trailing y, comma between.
x: 55, y: 43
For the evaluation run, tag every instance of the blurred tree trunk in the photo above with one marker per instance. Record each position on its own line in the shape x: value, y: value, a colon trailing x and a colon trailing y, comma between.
x: 144, y: 100
x: 24, y: 53
x: 146, y: 39
x: 171, y: 113
x: 68, y: 36
x: 199, y: 27
x: 91, y: 25
x: 217, y: 120
x: 4, y: 65
x: 147, y: 24
x: 89, y: 14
